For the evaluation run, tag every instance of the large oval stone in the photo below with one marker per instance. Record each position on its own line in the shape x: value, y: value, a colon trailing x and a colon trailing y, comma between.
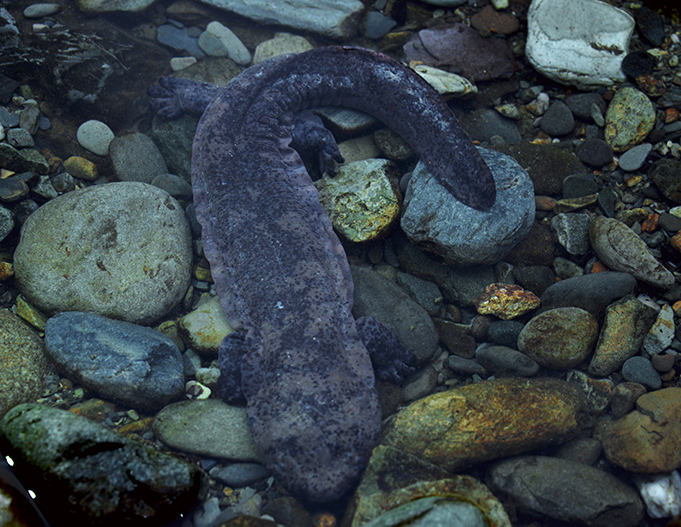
x: 487, y: 420
x: 121, y: 250
x: 647, y: 440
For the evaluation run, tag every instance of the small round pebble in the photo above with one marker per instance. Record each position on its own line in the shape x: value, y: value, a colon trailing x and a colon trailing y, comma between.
x: 634, y: 158
x: 639, y: 369
x: 558, y: 119
x: 663, y: 362
x: 240, y: 474
x: 95, y: 136
x: 594, y: 152
x: 41, y: 10
x: 577, y: 186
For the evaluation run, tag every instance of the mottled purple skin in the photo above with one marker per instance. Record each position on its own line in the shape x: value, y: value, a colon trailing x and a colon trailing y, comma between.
x: 279, y: 268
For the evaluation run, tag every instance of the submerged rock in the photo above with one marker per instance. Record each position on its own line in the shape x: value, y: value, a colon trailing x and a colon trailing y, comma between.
x: 85, y: 474
x: 484, y: 421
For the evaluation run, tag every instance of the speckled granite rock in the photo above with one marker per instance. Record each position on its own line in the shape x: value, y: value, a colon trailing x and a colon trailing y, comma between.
x: 22, y: 374
x: 629, y: 119
x: 560, y: 338
x: 121, y: 250
x: 362, y: 199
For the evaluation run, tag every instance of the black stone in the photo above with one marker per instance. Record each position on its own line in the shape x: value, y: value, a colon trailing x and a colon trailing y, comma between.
x: 594, y: 152
x: 638, y: 63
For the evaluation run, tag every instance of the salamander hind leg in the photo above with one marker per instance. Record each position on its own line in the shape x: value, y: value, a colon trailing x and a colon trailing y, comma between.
x: 392, y: 362
x: 231, y: 352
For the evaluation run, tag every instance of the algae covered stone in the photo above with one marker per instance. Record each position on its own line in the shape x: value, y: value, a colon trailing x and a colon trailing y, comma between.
x: 363, y: 199
x: 629, y: 119
x: 397, y: 485
x: 560, y: 338
x: 86, y: 474
x: 487, y: 420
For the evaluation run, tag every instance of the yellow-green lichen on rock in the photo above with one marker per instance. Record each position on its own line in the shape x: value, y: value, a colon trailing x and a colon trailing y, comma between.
x: 363, y: 199
x: 400, y: 486
x: 487, y: 420
x: 629, y: 119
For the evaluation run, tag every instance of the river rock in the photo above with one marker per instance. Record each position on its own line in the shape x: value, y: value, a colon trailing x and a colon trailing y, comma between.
x: 105, y: 6
x: 461, y: 234
x: 567, y: 491
x: 626, y: 324
x: 331, y: 18
x: 661, y: 333
x: 206, y: 326
x: 578, y: 42
x: 125, y: 363
x: 24, y: 365
x: 135, y: 157
x: 647, y: 440
x: 85, y: 474
x: 591, y: 292
x: 380, y: 298
x: 572, y: 231
x: 207, y: 427
x: 666, y: 174
x: 484, y: 421
x: 618, y: 247
x: 560, y: 338
x: 461, y: 48
x: 398, y: 485
x: 121, y: 250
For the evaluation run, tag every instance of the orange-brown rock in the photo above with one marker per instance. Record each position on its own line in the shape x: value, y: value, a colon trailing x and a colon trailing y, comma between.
x: 487, y: 420
x: 506, y: 301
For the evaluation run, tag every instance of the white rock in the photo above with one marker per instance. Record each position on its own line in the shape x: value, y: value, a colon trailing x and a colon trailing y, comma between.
x: 578, y: 42
x: 220, y: 41
x: 446, y: 84
x: 180, y: 63
x: 333, y: 18
x: 95, y: 136
x: 109, y: 6
x: 500, y: 4
x: 661, y: 494
x: 661, y: 334
x: 40, y: 10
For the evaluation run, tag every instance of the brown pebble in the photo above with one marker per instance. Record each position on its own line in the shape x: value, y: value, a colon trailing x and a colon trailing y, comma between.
x: 6, y: 271
x: 663, y: 362
x: 490, y: 20
x: 668, y: 376
x: 624, y: 396
x: 544, y: 203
